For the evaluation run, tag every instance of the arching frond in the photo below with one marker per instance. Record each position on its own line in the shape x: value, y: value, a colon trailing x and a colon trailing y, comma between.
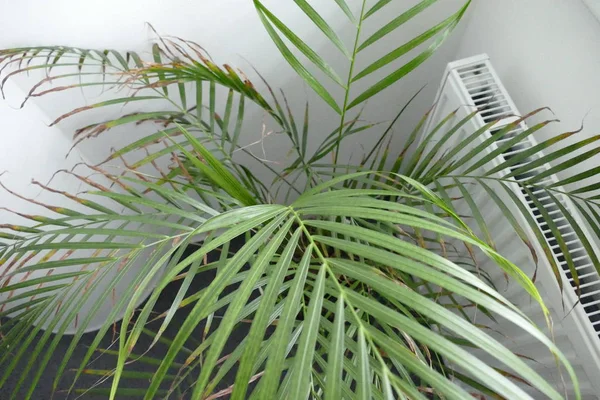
x: 331, y: 281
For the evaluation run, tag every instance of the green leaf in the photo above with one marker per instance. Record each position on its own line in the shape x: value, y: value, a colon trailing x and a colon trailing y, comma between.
x: 395, y: 23
x: 556, y: 233
x: 376, y: 7
x: 323, y: 26
x: 579, y: 177
x: 69, y: 262
x: 212, y: 98
x: 300, y: 380
x: 215, y: 288
x: 225, y: 128
x: 157, y: 59
x: 476, y: 212
x: 300, y: 45
x: 578, y: 231
x: 437, y: 343
x: 124, y: 101
x: 563, y: 165
x: 344, y: 6
x: 427, y: 161
x: 238, y: 124
x: 508, y: 214
x: 274, y: 365
x: 294, y: 63
x: 387, y: 131
x: 410, y: 66
x: 420, y: 150
x: 366, y: 380
x: 336, y: 355
x: 121, y: 392
x: 441, y: 167
x: 541, y: 239
x: 499, y: 150
x: 216, y: 171
x: 243, y: 293
x: 305, y: 128
x: 349, y: 291
x: 259, y: 324
x: 42, y: 280
x: 549, y: 158
x: 526, y: 154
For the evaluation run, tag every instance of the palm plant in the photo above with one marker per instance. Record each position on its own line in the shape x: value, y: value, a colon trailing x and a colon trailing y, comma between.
x: 349, y: 281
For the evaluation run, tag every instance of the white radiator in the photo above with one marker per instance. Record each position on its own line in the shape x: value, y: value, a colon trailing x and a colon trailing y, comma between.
x: 472, y: 84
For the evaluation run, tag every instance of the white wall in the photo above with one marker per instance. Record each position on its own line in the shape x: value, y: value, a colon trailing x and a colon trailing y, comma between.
x: 30, y: 150
x: 594, y: 6
x: 546, y: 53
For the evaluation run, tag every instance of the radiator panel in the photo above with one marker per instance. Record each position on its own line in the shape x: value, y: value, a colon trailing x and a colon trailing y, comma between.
x: 472, y: 84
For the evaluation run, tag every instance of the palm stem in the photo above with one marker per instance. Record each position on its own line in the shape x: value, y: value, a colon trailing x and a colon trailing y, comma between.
x: 349, y: 83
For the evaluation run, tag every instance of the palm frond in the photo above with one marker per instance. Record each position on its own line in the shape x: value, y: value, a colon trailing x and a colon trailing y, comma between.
x: 353, y: 288
x: 466, y: 168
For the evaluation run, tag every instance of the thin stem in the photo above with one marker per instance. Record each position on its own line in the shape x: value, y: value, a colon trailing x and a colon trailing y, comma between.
x: 523, y: 184
x: 348, y: 84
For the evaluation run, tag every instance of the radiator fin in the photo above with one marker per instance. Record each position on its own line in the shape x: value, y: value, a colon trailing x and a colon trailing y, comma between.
x: 485, y: 92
